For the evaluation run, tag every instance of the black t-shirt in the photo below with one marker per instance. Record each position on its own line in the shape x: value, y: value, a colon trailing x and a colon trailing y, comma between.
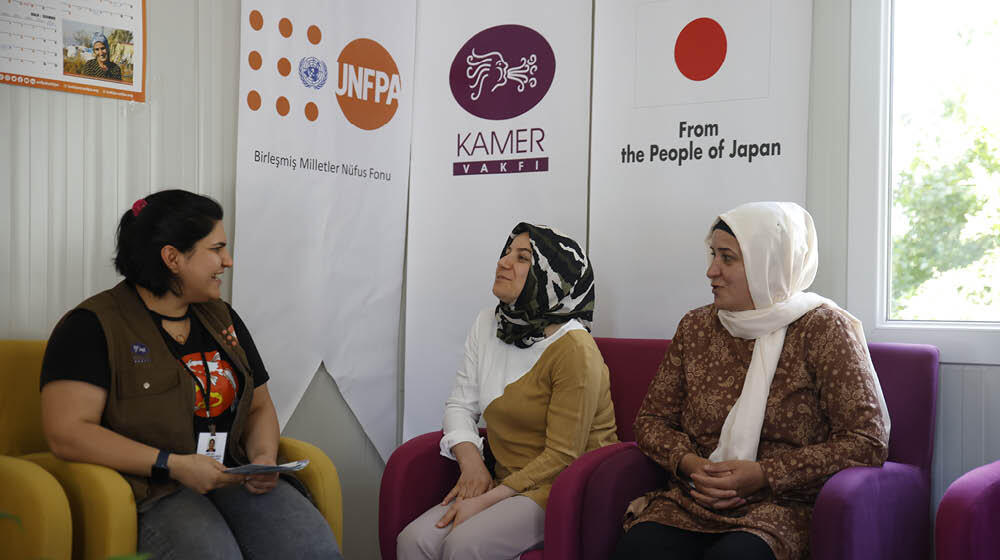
x: 78, y: 351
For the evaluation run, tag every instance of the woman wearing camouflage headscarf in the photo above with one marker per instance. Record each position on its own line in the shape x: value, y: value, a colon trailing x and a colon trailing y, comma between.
x: 532, y: 370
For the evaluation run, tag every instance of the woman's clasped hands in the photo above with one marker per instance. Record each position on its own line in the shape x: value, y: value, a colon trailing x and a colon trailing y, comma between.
x: 469, y: 495
x: 722, y: 485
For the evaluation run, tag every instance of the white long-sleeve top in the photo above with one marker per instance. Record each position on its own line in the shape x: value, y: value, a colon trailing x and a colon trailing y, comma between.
x: 489, y: 365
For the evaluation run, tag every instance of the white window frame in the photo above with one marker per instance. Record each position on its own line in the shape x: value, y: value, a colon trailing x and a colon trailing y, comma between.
x: 868, y: 199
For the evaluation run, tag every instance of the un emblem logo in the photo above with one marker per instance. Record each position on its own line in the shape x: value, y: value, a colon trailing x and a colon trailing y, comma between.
x: 312, y: 72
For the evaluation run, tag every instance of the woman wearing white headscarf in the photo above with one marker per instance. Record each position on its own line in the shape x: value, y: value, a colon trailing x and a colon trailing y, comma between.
x: 763, y: 396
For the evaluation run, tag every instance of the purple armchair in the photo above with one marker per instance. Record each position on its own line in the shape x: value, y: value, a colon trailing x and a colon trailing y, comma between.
x: 968, y: 518
x: 861, y: 512
x: 417, y: 476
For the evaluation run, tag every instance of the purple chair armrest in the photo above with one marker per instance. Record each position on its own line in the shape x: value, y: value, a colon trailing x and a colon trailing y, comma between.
x: 873, y: 512
x: 968, y: 518
x: 415, y: 478
x: 619, y: 479
x: 564, y: 513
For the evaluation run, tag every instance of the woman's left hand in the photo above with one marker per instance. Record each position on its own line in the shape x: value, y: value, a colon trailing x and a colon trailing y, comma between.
x: 744, y: 477
x: 462, y: 509
x: 261, y: 483
x: 262, y: 436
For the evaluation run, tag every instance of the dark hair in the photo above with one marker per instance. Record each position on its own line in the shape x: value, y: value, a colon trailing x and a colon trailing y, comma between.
x: 172, y: 217
x: 724, y: 227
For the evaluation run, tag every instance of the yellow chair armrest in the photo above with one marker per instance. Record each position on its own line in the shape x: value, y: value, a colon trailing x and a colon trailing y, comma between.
x: 43, y: 528
x: 322, y: 480
x: 102, y: 504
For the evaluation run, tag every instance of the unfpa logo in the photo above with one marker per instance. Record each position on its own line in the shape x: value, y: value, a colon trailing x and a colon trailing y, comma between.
x: 485, y: 80
x: 367, y: 85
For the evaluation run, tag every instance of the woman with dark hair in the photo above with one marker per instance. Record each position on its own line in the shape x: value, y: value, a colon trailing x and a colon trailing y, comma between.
x: 146, y: 376
x: 763, y: 396
x: 533, y: 372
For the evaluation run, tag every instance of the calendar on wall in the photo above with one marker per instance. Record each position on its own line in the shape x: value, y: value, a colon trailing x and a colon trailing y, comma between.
x: 92, y: 47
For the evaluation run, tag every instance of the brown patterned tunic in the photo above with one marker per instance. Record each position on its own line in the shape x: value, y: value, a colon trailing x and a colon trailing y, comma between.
x: 822, y: 416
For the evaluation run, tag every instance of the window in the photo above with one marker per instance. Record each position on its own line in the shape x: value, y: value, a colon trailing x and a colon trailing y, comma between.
x: 924, y: 210
x: 944, y: 162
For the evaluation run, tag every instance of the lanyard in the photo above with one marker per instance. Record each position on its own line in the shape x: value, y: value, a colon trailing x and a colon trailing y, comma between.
x: 203, y: 389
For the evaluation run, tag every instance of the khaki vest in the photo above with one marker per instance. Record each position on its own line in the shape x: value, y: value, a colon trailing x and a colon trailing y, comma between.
x: 151, y: 396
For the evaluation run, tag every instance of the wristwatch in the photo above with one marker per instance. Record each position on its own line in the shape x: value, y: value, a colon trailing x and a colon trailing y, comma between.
x: 160, y: 472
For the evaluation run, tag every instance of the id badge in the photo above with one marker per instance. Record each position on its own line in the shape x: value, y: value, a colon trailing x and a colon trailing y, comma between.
x: 212, y: 445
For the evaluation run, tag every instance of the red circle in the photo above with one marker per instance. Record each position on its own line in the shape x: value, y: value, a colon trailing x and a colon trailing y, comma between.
x: 700, y: 49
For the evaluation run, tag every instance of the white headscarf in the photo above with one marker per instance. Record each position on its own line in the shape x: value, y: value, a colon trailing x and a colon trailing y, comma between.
x: 778, y: 242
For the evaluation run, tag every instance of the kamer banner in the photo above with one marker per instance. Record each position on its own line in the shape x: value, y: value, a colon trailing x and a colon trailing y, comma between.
x: 322, y: 170
x: 500, y: 136
x: 699, y: 105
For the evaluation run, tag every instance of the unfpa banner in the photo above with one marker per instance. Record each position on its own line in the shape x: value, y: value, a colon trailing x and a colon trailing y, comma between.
x: 699, y: 105
x: 500, y: 136
x: 322, y: 171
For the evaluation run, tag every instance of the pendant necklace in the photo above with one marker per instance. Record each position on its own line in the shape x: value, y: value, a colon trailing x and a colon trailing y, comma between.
x: 178, y: 337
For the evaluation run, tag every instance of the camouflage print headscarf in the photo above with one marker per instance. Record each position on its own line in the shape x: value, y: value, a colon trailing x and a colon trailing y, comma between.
x: 559, y: 287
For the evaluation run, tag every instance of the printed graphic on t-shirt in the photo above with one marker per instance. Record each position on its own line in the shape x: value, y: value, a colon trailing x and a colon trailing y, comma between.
x: 222, y: 395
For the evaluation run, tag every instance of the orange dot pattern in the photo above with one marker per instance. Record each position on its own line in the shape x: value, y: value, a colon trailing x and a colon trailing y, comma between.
x: 314, y: 35
x: 282, y: 106
x: 256, y: 20
x: 312, y: 111
x: 253, y: 100
x: 284, y: 66
x: 230, y: 334
x: 285, y: 27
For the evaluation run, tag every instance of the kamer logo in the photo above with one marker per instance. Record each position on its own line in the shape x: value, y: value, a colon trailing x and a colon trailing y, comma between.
x: 502, y: 72
x: 368, y: 86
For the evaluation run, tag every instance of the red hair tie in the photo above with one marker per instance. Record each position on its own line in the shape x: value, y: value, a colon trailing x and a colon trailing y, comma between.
x: 138, y: 206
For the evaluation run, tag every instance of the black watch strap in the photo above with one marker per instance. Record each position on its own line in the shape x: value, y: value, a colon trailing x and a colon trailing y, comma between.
x: 160, y: 471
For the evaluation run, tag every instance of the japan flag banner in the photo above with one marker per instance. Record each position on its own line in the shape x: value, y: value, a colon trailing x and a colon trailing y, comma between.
x: 698, y: 51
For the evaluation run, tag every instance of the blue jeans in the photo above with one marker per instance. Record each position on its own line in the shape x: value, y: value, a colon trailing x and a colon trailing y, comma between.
x: 233, y: 523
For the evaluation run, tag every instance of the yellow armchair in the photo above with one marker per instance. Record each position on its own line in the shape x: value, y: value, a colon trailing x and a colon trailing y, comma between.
x: 43, y: 528
x: 104, y: 520
x: 40, y: 526
x: 322, y: 480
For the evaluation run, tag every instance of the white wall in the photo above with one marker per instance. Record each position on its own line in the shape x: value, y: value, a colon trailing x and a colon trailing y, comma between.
x: 71, y: 164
